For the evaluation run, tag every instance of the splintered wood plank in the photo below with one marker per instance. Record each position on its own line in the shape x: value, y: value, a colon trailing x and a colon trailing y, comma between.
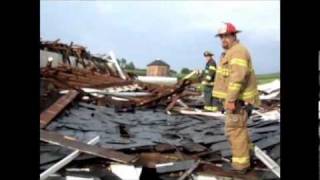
x: 65, y: 141
x: 49, y: 114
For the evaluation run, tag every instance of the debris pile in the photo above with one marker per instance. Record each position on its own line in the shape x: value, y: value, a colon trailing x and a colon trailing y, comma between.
x: 270, y: 95
x: 77, y: 56
x: 99, y: 124
x: 65, y: 77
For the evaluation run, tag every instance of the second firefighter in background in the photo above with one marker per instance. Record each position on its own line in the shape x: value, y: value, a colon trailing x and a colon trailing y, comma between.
x: 208, y: 76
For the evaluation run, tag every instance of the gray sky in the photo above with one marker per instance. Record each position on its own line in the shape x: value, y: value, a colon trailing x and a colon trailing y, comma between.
x: 177, y: 32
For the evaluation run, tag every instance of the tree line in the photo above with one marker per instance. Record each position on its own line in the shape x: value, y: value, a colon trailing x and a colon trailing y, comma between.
x: 124, y: 64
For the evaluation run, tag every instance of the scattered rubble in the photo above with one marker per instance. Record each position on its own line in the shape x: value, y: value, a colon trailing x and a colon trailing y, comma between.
x: 149, y: 130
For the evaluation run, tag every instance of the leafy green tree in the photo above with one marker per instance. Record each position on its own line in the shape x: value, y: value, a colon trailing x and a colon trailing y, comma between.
x: 130, y: 66
x: 185, y: 71
x: 123, y: 62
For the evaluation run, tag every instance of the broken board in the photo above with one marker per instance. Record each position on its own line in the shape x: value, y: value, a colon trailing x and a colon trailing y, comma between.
x: 58, y: 139
x: 49, y: 114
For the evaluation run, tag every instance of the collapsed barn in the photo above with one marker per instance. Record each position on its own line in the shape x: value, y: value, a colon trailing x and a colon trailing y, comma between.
x: 99, y: 122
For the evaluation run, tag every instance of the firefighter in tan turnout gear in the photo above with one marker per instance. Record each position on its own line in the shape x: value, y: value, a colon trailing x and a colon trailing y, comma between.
x: 236, y: 85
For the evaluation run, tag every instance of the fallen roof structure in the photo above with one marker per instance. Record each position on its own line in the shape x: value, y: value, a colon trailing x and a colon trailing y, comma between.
x: 143, y: 128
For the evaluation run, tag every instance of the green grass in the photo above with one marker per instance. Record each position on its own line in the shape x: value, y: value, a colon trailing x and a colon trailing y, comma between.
x: 266, y: 78
x: 139, y: 72
x: 143, y: 72
x: 262, y: 78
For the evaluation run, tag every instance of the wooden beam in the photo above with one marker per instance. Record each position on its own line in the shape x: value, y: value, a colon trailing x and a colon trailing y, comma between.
x: 65, y: 141
x: 65, y: 161
x: 49, y: 114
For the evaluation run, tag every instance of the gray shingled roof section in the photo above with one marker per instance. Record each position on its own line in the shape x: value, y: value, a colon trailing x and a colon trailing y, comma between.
x: 147, y: 128
x: 158, y: 62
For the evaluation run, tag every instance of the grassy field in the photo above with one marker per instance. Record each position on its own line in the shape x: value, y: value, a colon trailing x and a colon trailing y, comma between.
x: 139, y: 72
x: 262, y: 78
x: 265, y: 78
x: 143, y: 72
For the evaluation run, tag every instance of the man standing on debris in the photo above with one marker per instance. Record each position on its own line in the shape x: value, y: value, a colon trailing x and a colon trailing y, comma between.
x: 236, y: 84
x: 207, y: 82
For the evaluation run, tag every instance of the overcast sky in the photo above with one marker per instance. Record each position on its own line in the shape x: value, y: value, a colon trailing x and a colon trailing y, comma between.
x: 177, y: 32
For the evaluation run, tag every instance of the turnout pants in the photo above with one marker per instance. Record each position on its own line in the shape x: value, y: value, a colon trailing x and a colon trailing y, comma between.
x: 238, y: 137
x: 211, y: 103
